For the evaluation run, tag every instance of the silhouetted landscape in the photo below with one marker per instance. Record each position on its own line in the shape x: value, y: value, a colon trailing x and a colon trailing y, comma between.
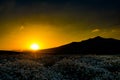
x: 93, y: 59
x: 97, y: 46
x: 59, y: 39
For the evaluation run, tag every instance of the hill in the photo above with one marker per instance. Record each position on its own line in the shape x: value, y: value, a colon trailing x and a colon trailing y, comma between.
x: 9, y: 52
x: 97, y: 45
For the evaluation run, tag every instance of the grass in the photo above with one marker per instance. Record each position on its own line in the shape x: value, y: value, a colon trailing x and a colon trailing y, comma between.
x: 59, y: 67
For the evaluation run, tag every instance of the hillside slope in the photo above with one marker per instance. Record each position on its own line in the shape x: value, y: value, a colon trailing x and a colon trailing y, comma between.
x: 97, y: 45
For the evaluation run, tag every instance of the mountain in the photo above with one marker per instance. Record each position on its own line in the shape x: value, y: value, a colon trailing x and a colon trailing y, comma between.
x: 2, y: 52
x: 97, y: 45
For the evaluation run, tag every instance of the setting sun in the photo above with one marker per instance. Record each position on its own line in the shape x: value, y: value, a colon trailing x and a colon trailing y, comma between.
x: 35, y: 47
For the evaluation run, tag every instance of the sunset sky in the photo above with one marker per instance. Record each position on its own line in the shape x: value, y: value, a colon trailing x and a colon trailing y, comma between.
x: 52, y: 23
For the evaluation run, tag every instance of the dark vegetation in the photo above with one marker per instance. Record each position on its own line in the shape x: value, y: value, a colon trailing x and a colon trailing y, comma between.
x: 59, y: 67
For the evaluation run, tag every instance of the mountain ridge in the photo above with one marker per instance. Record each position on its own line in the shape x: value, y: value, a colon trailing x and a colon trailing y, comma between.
x: 96, y: 45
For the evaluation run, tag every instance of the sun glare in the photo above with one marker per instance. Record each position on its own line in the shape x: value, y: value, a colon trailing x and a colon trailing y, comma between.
x: 35, y: 47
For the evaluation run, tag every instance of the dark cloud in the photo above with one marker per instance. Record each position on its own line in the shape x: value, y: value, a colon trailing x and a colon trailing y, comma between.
x: 80, y: 14
x: 83, y: 14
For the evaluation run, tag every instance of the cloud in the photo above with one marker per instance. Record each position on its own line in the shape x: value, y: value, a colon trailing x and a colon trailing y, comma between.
x: 113, y: 30
x: 21, y: 28
x: 95, y: 30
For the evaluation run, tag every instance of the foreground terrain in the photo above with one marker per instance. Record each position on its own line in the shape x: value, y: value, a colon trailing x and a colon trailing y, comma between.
x: 59, y: 67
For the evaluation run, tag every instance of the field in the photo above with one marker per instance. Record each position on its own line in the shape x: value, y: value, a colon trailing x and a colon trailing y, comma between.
x: 59, y: 67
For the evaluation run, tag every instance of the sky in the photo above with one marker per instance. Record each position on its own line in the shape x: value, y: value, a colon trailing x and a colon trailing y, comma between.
x: 51, y: 23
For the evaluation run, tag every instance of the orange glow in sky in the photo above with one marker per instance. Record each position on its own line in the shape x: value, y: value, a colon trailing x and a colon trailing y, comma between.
x: 57, y: 22
x: 44, y: 35
x: 24, y: 38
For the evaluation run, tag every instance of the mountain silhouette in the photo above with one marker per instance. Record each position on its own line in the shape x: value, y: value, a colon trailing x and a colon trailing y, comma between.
x: 2, y: 52
x: 97, y: 45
